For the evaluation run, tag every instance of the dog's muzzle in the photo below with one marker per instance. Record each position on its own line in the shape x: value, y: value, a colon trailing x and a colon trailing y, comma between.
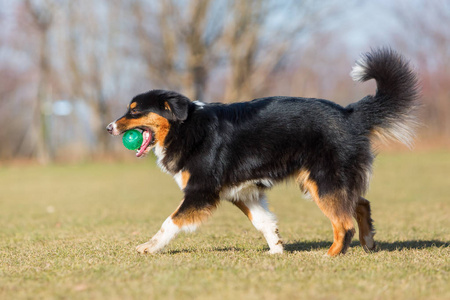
x: 111, y: 128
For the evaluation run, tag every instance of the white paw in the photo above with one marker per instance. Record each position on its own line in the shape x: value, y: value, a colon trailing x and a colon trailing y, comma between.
x: 148, y: 247
x: 277, y: 249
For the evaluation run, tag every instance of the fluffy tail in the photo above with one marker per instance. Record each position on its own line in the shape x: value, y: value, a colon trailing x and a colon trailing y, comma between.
x: 391, y: 113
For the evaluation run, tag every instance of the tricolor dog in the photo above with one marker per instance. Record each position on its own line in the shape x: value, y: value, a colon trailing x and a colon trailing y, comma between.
x: 236, y: 152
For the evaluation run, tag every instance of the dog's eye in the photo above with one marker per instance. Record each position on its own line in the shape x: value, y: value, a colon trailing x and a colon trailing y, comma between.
x: 134, y: 111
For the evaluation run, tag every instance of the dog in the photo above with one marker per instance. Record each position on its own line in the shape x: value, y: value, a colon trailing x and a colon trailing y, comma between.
x: 236, y: 152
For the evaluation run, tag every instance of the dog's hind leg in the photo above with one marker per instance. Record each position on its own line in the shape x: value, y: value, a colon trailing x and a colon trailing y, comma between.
x: 188, y: 216
x: 337, y: 207
x: 342, y: 221
x: 263, y: 220
x: 365, y: 224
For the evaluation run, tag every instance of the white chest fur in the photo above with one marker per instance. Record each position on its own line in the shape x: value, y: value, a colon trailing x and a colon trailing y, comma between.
x: 160, y: 154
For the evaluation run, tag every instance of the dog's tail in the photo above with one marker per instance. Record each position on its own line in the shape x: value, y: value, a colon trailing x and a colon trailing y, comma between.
x: 391, y: 113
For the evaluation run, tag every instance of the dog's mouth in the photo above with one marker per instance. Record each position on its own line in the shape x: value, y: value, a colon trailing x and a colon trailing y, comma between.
x: 148, y: 141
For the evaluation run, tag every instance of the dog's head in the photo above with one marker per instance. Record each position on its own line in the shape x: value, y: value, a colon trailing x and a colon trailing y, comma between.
x: 154, y: 113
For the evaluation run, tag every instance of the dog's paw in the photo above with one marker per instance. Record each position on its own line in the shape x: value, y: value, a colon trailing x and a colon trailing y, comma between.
x: 278, y: 249
x: 148, y: 247
x: 372, y: 249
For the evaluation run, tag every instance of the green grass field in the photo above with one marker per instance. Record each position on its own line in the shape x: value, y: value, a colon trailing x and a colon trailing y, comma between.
x: 69, y: 232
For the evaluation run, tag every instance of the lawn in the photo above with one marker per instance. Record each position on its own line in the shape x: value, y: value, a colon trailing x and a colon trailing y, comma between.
x: 69, y: 232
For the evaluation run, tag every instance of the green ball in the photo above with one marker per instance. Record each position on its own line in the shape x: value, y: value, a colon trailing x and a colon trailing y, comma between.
x: 132, y: 139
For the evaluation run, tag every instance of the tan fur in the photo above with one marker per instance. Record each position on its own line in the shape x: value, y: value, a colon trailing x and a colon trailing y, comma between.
x: 362, y: 214
x: 307, y: 185
x: 241, y: 205
x: 192, y: 216
x: 159, y: 125
x: 402, y: 131
x: 333, y: 206
x: 133, y: 105
x: 185, y: 175
x: 366, y: 231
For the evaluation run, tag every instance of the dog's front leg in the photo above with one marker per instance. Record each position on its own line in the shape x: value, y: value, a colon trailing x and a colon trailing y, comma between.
x: 195, y: 208
x: 167, y: 233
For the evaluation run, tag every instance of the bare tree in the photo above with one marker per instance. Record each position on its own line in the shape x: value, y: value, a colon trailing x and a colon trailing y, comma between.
x: 198, y: 49
x: 242, y: 40
x: 159, y: 49
x: 197, y: 38
x: 226, y: 50
x: 41, y: 15
x: 91, y: 50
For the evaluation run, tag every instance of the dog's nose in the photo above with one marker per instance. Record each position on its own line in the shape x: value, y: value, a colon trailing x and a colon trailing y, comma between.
x: 110, y: 128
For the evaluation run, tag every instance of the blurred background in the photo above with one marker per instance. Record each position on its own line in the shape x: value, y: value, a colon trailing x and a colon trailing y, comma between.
x: 68, y: 68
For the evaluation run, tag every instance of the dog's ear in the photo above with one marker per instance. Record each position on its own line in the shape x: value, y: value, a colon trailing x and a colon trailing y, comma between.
x: 177, y: 105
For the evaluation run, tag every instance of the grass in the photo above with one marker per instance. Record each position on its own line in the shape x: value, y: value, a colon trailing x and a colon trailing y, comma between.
x: 69, y: 232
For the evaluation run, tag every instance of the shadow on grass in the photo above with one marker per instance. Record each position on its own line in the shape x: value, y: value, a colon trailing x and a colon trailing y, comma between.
x: 381, y: 246
x: 318, y: 245
x: 216, y: 249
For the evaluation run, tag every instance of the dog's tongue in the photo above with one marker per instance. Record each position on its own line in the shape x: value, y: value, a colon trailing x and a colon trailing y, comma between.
x: 147, y: 135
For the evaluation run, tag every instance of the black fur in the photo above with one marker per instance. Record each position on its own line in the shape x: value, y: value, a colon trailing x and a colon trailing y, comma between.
x: 392, y: 109
x: 271, y: 139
